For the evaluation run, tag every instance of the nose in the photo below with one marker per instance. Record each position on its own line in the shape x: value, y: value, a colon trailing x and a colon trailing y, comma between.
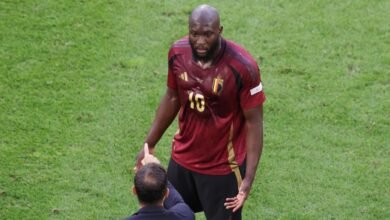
x: 201, y: 40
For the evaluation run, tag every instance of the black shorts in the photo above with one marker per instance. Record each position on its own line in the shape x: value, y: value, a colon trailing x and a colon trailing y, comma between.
x: 206, y: 192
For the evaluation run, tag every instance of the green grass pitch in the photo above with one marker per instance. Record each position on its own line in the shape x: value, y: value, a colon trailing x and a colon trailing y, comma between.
x: 80, y: 82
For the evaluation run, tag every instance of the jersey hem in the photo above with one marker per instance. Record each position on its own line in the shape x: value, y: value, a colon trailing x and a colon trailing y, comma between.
x: 226, y: 171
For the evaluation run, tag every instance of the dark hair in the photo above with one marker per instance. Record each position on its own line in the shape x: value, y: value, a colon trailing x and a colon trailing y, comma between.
x: 151, y: 183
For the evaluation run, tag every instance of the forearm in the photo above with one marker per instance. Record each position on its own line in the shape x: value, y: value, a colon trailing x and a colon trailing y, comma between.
x: 254, y: 141
x: 254, y: 125
x: 166, y: 113
x: 254, y: 150
x: 158, y: 128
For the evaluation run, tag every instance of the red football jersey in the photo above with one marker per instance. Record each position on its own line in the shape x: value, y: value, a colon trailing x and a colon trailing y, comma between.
x: 212, y: 133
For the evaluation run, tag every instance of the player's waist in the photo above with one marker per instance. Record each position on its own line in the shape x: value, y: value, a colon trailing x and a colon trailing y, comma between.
x: 206, y: 165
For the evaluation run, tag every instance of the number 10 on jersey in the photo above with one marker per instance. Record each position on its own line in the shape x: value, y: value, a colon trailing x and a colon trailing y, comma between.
x: 196, y: 101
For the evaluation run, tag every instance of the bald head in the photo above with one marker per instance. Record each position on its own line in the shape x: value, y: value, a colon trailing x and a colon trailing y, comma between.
x: 204, y: 15
x: 204, y: 32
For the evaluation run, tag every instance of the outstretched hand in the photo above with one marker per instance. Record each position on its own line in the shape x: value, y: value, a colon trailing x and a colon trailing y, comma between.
x: 238, y: 201
x: 144, y: 156
x: 148, y: 158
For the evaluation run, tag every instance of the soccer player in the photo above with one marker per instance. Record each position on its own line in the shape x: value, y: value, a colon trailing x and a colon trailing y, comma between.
x: 214, y: 86
x: 157, y: 197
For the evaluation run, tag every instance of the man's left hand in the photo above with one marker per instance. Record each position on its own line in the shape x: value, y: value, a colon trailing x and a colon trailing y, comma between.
x: 238, y: 201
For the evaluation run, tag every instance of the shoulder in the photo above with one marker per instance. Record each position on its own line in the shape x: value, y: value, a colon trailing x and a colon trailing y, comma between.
x: 182, y: 211
x: 180, y: 46
x: 237, y: 49
x: 163, y: 216
x: 241, y: 60
x: 135, y: 216
x: 181, y: 43
x: 176, y: 205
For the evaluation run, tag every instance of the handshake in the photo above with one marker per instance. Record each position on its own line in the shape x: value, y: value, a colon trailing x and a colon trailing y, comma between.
x: 148, y: 158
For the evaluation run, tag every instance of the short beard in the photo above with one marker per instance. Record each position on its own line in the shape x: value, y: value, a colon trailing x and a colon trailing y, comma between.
x: 210, y: 53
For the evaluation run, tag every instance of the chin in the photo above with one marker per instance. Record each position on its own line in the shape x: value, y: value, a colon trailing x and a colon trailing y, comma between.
x: 203, y: 57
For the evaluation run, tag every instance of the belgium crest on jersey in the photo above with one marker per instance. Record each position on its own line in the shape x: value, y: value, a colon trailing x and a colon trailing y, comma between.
x: 217, y: 85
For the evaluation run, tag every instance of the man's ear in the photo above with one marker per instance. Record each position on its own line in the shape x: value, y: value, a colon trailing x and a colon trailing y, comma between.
x: 166, y: 194
x: 134, y: 190
x: 220, y: 30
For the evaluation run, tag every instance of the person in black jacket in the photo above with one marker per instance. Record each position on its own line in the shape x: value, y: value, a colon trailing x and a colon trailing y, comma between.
x: 157, y: 198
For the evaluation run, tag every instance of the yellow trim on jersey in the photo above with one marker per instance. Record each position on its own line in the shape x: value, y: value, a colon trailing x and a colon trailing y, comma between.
x: 173, y: 140
x: 177, y: 131
x: 232, y: 158
x: 183, y: 76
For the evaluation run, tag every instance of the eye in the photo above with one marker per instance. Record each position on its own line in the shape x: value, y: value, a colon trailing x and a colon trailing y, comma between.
x: 209, y: 34
x: 193, y: 34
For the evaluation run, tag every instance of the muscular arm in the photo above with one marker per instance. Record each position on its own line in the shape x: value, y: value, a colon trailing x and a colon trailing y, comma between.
x: 254, y: 124
x: 254, y: 141
x: 166, y: 112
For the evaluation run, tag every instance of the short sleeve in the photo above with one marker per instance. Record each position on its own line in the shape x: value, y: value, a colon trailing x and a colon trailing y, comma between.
x: 171, y: 81
x: 252, y: 92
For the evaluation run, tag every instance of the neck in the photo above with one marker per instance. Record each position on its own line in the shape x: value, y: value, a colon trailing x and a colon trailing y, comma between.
x: 159, y: 204
x: 208, y: 61
x: 204, y: 64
